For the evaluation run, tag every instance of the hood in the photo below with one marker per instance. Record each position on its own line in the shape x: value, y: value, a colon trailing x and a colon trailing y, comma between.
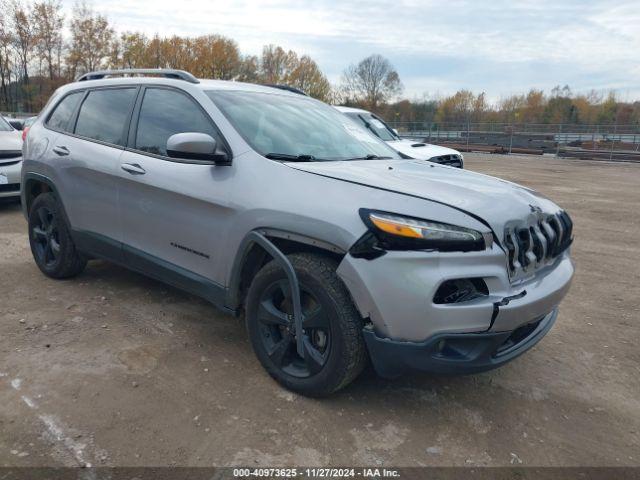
x: 420, y: 150
x: 11, y: 140
x: 494, y: 200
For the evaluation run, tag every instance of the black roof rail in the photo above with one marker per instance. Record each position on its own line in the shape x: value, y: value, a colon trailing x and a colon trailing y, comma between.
x: 163, y: 72
x: 287, y: 88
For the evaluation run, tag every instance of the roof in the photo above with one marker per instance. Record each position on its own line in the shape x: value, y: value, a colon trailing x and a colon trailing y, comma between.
x: 351, y: 110
x: 242, y: 86
x: 202, y: 84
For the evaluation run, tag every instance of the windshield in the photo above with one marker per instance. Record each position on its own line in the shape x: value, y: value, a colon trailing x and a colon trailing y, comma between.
x: 4, y: 125
x: 279, y: 126
x: 375, y: 125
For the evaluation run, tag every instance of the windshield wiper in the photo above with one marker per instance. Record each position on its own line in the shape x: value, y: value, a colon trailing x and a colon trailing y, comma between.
x: 290, y: 158
x: 371, y: 157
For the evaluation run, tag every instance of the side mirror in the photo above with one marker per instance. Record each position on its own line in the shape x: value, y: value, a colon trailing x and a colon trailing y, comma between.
x: 395, y: 130
x: 196, y: 146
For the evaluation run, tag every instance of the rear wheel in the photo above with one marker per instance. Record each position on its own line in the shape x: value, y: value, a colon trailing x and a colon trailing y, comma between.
x: 333, y: 348
x: 51, y: 244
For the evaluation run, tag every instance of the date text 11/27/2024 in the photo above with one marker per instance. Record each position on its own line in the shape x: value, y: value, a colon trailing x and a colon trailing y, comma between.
x: 316, y: 472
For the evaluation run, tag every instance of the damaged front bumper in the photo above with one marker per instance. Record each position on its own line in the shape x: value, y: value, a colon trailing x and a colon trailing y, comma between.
x: 409, y: 329
x: 455, y: 353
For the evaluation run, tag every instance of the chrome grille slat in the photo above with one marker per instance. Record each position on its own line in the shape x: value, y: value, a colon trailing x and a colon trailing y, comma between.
x: 516, y: 255
x: 536, y: 241
x: 543, y: 241
x: 551, y: 236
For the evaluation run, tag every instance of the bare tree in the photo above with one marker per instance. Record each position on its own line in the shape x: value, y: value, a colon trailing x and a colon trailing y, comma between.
x: 372, y: 82
x: 249, y: 69
x: 23, y: 40
x: 5, y: 62
x: 47, y: 21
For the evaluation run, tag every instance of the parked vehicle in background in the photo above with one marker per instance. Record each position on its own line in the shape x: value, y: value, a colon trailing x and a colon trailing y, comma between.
x: 10, y: 160
x: 16, y: 123
x: 27, y: 124
x: 408, y: 148
x: 274, y: 205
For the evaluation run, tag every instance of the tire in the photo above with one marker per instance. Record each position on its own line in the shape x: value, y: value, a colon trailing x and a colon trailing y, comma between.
x: 51, y: 244
x: 335, y: 352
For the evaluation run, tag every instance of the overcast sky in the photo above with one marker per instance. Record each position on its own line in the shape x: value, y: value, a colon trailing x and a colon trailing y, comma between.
x: 438, y: 47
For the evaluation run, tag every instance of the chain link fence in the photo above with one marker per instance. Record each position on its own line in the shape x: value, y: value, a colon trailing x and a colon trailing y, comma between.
x: 603, y: 142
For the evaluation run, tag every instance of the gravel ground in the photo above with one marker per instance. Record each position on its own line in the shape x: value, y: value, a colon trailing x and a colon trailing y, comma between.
x: 112, y: 368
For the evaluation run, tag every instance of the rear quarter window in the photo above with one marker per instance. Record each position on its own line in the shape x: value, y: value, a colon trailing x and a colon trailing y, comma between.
x: 62, y: 113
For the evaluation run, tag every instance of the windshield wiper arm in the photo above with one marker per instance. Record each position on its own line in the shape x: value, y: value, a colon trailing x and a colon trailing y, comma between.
x: 290, y: 158
x: 370, y: 157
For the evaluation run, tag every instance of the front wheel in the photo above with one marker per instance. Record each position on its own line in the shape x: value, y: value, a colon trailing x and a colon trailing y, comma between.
x: 333, y: 353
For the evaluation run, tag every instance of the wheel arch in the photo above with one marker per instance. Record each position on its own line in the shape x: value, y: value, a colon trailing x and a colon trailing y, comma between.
x: 34, y: 185
x: 251, y: 257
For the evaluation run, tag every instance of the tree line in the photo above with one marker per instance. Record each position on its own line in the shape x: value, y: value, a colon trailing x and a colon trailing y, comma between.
x: 36, y: 57
x: 559, y: 106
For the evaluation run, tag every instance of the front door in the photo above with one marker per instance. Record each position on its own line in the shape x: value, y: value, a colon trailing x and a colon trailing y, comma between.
x: 174, y: 214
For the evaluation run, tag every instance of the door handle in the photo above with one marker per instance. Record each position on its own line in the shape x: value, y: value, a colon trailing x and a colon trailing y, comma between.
x: 61, y: 150
x: 133, y: 168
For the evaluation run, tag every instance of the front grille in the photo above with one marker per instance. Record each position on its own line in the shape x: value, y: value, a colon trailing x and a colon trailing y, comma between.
x: 10, y: 187
x: 5, y: 154
x: 450, y: 160
x: 8, y: 163
x: 537, y: 242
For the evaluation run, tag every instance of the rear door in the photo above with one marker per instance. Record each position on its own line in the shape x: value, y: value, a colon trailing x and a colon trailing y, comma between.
x: 89, y: 166
x: 174, y: 213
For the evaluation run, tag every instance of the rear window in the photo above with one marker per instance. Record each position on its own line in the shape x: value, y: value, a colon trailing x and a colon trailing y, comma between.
x: 61, y: 115
x: 104, y: 114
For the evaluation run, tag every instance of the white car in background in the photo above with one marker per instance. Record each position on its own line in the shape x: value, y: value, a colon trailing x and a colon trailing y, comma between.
x: 409, y: 148
x: 10, y: 160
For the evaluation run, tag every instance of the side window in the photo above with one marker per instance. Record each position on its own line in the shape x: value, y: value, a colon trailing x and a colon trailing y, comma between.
x: 164, y: 113
x: 61, y: 115
x: 104, y: 113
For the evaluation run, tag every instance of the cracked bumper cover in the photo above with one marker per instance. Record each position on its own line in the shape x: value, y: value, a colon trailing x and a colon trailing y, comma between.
x: 409, y: 331
x: 455, y: 353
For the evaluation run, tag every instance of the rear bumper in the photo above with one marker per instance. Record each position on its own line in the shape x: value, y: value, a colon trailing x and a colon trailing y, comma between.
x: 455, y: 353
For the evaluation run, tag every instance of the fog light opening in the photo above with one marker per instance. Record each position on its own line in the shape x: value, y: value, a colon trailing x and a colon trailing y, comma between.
x: 460, y: 290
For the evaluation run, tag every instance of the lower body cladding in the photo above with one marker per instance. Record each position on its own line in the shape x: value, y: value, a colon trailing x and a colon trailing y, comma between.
x: 10, y: 178
x: 452, y: 313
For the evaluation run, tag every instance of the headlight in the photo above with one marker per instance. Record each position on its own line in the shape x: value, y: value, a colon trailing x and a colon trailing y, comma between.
x: 398, y: 232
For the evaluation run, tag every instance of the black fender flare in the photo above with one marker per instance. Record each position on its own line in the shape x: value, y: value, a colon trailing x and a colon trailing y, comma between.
x: 254, y: 238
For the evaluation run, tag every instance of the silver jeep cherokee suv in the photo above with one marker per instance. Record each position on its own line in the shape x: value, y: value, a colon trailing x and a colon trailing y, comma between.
x: 275, y: 205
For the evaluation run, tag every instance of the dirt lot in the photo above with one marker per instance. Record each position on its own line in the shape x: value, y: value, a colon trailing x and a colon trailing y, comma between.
x: 112, y: 368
